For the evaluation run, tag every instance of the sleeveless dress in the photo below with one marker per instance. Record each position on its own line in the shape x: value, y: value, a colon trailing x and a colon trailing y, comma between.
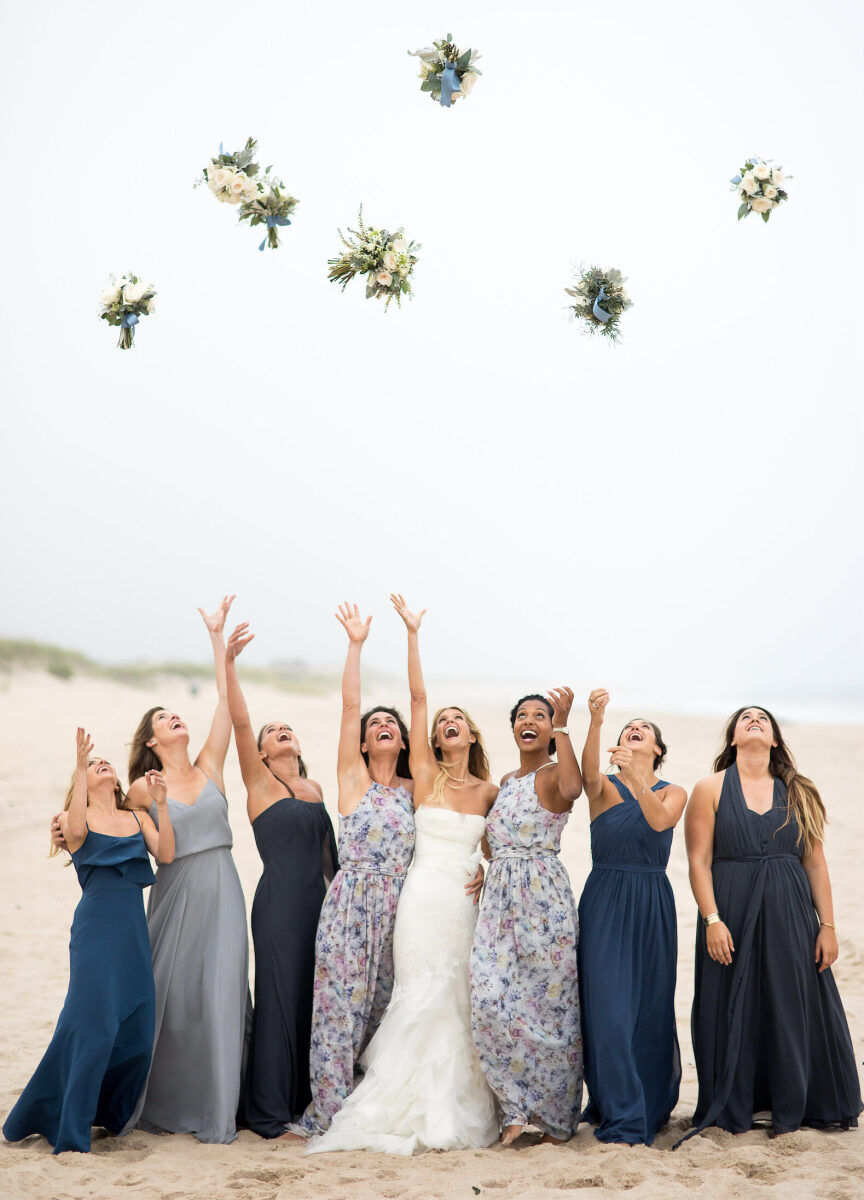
x: 298, y: 848
x: 628, y: 953
x: 423, y: 1088
x: 354, y: 946
x: 524, y: 978
x: 769, y: 1032
x: 96, y: 1064
x: 197, y: 920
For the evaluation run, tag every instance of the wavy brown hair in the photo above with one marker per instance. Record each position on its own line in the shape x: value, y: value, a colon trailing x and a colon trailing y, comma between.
x: 304, y: 774
x: 802, y: 797
x: 120, y: 800
x: 141, y: 757
x: 478, y: 763
x: 403, y: 769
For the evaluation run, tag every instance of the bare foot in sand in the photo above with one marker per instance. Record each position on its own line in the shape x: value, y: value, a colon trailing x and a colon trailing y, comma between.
x: 548, y: 1140
x: 510, y: 1134
x: 291, y: 1137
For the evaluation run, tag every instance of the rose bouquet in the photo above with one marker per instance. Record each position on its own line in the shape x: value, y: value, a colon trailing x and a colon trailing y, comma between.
x: 761, y: 188
x: 600, y: 299
x: 446, y: 71
x: 271, y: 207
x: 231, y: 177
x: 386, y: 259
x: 124, y: 303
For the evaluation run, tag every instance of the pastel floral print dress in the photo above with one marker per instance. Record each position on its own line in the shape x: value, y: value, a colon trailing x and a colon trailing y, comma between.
x: 524, y: 983
x: 354, y: 946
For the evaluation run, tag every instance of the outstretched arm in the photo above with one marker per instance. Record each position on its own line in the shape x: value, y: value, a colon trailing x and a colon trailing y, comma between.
x: 420, y: 755
x: 592, y: 776
x: 160, y: 841
x: 76, y: 815
x: 256, y: 777
x: 350, y: 768
x: 211, y: 760
x: 663, y: 809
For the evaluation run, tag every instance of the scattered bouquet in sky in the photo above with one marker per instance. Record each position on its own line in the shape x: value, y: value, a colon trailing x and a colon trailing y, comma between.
x: 386, y: 259
x: 237, y: 179
x: 271, y: 207
x: 446, y: 71
x: 760, y: 187
x: 600, y: 299
x: 124, y: 303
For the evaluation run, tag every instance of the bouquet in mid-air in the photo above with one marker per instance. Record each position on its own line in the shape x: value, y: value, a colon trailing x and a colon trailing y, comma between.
x: 600, y: 299
x: 386, y: 259
x: 446, y: 72
x: 123, y: 304
x: 760, y: 188
x: 272, y: 207
x: 263, y: 198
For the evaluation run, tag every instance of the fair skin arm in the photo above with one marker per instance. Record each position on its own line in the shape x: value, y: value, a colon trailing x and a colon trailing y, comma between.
x: 662, y: 809
x: 351, y: 773
x: 699, y: 834
x: 159, y: 841
x: 75, y: 823
x: 211, y: 760
x: 421, y: 758
x: 558, y: 786
x: 256, y: 778
x: 826, y: 950
x: 592, y: 776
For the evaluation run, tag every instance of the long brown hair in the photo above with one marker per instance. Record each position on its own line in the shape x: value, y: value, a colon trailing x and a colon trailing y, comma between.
x: 142, y: 758
x: 478, y: 763
x: 802, y: 797
x: 403, y: 769
x: 304, y: 774
x: 119, y: 800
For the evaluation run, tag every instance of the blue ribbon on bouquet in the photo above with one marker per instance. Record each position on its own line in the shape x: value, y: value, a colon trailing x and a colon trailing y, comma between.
x: 272, y: 222
x: 600, y: 313
x: 449, y: 84
x: 129, y: 319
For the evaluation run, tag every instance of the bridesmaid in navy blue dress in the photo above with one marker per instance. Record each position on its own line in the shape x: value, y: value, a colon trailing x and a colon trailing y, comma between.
x: 97, y: 1062
x: 628, y: 946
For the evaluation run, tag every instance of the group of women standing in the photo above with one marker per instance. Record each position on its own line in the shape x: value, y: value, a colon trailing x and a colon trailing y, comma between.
x: 391, y: 1012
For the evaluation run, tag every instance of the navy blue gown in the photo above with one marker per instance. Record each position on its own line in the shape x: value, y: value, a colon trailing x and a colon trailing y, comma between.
x: 97, y: 1062
x: 628, y: 949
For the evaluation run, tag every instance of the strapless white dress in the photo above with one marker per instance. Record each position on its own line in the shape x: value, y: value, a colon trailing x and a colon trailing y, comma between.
x: 423, y: 1088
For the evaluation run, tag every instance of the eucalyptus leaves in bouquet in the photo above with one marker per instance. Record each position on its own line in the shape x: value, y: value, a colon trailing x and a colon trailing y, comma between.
x: 272, y: 207
x: 231, y: 177
x: 386, y: 259
x: 600, y: 299
x: 446, y: 72
x: 760, y: 187
x: 124, y: 303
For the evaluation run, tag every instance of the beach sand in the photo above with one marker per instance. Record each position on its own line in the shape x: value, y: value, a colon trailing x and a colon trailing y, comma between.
x: 38, y: 896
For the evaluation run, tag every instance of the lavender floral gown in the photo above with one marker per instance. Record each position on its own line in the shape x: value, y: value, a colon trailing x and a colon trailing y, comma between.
x: 354, y: 946
x: 524, y: 984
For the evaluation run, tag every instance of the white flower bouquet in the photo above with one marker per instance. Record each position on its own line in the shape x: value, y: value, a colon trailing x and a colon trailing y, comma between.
x: 124, y: 303
x: 760, y: 186
x: 272, y: 207
x: 231, y: 177
x: 600, y: 299
x: 386, y: 259
x: 446, y: 72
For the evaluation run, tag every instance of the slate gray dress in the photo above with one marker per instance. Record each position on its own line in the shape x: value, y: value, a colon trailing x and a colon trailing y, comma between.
x: 197, y: 922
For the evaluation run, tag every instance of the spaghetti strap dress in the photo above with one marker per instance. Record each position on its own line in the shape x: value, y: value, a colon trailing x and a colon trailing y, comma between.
x: 769, y: 1031
x: 96, y: 1064
x: 298, y: 848
x: 628, y: 953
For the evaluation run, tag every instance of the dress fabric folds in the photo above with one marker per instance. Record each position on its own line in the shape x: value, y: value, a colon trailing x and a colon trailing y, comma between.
x: 628, y: 950
x: 769, y: 1031
x: 97, y: 1062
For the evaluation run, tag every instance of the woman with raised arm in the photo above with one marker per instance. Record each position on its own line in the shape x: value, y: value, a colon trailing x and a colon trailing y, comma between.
x: 524, y: 984
x: 628, y: 945
x: 769, y: 1032
x: 97, y: 1062
x: 295, y: 839
x: 354, y: 946
x: 423, y: 1088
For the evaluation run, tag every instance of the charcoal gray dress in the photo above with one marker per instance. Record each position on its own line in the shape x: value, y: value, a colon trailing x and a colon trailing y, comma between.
x: 197, y: 922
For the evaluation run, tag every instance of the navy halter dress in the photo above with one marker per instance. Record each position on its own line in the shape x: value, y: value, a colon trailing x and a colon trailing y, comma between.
x: 628, y: 949
x: 97, y: 1062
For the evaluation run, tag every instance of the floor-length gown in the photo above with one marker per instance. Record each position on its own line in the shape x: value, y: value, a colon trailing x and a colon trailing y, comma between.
x: 298, y: 848
x: 354, y: 946
x: 197, y: 920
x: 423, y: 1088
x: 524, y: 976
x: 96, y: 1064
x: 628, y: 953
x: 769, y: 1031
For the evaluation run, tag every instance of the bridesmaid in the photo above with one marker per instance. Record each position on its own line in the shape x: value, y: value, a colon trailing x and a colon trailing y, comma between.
x: 295, y: 839
x: 197, y: 919
x: 96, y: 1064
x: 525, y: 992
x: 769, y: 1032
x: 354, y: 947
x: 628, y: 947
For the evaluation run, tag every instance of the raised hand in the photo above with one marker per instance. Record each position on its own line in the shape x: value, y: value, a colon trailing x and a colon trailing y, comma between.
x: 57, y: 837
x: 157, y: 787
x: 561, y: 700
x: 412, y: 620
x: 238, y: 641
x: 83, y: 747
x: 351, y: 621
x: 597, y: 702
x: 215, y: 622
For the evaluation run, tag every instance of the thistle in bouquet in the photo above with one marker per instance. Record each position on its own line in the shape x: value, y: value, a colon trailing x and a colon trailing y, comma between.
x: 124, y: 303
x: 760, y: 187
x: 232, y: 177
x: 600, y: 299
x: 272, y: 207
x: 446, y: 72
x: 386, y: 259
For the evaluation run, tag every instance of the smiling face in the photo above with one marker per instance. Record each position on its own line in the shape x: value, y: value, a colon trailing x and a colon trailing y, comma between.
x: 277, y: 739
x: 451, y: 731
x: 638, y: 734
x: 382, y: 735
x: 168, y: 730
x: 99, y: 770
x: 532, y: 725
x: 753, y: 728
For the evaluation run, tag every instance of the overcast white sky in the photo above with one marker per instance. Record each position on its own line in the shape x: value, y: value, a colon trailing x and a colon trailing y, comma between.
x: 679, y: 515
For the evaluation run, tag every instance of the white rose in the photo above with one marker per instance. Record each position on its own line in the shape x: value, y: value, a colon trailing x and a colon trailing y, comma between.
x: 761, y: 204
x: 467, y: 83
x: 110, y: 295
x: 389, y: 260
x: 762, y: 171
x: 238, y: 184
x: 400, y: 245
x: 427, y: 54
x: 384, y: 278
x: 251, y: 191
x: 770, y: 192
x: 133, y: 292
x: 150, y: 306
x: 221, y: 177
x: 749, y: 184
x: 776, y: 177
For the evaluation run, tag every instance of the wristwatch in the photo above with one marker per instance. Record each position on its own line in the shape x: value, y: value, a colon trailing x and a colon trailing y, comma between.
x: 560, y: 729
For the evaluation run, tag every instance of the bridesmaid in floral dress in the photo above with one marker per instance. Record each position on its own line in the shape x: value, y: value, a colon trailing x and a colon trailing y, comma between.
x: 524, y: 984
x: 354, y: 946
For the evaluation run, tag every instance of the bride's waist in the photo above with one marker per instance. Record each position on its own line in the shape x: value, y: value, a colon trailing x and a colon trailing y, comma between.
x: 448, y: 863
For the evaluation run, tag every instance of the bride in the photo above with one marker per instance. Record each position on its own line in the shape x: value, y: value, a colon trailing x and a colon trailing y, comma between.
x: 423, y: 1088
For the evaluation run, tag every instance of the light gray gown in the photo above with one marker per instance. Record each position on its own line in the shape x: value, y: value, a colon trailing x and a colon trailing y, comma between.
x: 197, y: 922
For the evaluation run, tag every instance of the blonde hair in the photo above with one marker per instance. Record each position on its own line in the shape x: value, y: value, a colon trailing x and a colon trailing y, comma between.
x: 478, y: 763
x: 120, y: 800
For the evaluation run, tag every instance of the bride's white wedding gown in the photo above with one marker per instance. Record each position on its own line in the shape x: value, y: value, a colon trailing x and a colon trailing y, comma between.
x: 423, y: 1088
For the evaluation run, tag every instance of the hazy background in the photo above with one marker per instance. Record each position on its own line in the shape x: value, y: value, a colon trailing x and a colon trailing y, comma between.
x: 678, y: 517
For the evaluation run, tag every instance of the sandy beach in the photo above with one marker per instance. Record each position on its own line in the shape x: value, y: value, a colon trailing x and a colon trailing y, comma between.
x: 38, y: 897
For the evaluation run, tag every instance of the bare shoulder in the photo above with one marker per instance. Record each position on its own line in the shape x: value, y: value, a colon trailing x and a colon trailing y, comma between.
x: 489, y: 794
x: 316, y: 787
x: 137, y: 796
x: 707, y: 790
x: 506, y: 778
